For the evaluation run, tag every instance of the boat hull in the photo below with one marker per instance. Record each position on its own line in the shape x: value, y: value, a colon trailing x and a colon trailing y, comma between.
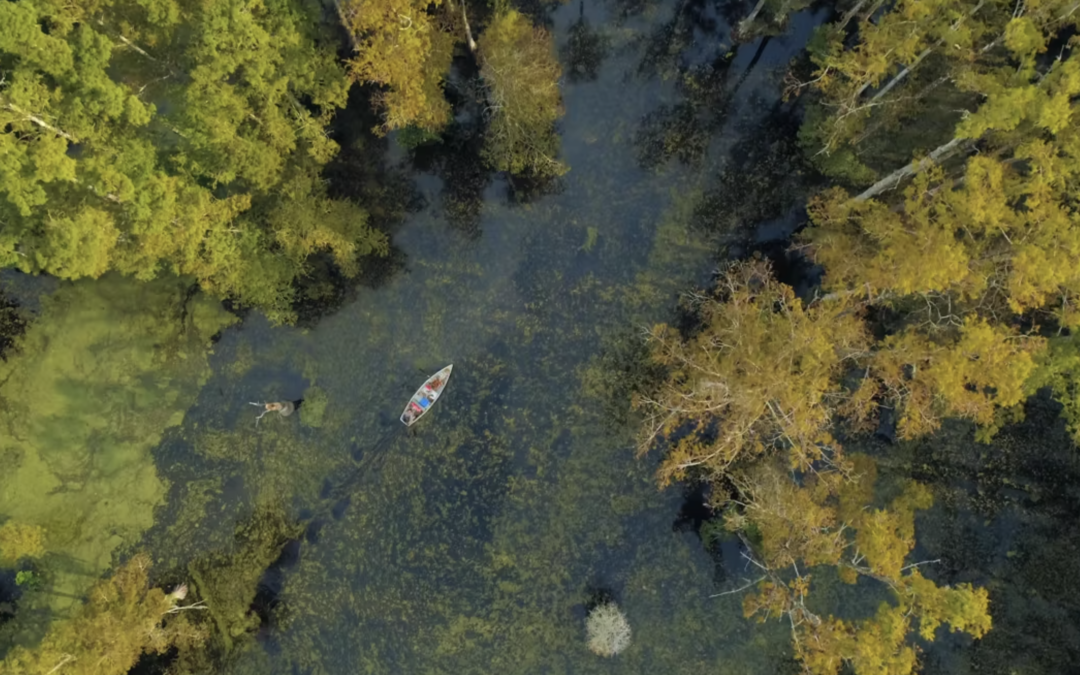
x: 425, y: 397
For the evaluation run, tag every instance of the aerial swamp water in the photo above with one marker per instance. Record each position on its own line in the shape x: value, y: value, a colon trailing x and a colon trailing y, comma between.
x: 475, y: 541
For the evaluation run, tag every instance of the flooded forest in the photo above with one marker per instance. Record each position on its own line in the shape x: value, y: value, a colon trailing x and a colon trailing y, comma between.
x: 759, y: 314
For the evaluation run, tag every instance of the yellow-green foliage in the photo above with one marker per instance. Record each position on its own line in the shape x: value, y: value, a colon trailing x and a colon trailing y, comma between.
x: 764, y: 375
x: 974, y: 372
x: 964, y: 259
x: 804, y: 527
x: 199, y: 148
x: 1004, y: 235
x: 121, y: 620
x: 763, y: 366
x: 98, y: 377
x: 880, y: 644
x: 1059, y: 368
x: 521, y: 71
x: 968, y: 64
x: 401, y: 45
x: 847, y: 76
x: 18, y: 540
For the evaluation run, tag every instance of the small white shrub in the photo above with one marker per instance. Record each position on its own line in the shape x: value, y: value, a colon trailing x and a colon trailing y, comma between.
x: 607, y: 630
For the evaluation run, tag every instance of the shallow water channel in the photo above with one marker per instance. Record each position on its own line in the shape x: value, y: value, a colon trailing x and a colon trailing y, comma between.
x: 473, y: 542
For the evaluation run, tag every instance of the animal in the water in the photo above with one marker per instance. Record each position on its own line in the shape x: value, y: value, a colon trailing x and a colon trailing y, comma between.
x: 283, y: 408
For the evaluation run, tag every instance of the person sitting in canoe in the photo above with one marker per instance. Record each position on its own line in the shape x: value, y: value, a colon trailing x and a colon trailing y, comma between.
x: 425, y: 397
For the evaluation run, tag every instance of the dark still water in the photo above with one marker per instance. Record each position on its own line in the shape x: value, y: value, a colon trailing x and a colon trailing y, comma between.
x: 473, y: 542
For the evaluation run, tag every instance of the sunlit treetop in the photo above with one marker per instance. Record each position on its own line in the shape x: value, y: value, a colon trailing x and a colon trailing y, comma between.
x: 405, y: 46
x: 973, y: 257
x: 142, y: 137
x: 760, y: 373
x: 521, y: 71
x: 924, y: 66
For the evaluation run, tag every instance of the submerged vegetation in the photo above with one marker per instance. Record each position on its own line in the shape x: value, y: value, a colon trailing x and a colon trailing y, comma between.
x: 810, y: 416
x: 607, y: 629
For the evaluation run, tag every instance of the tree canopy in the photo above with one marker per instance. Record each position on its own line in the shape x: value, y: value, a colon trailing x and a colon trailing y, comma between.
x: 925, y: 72
x: 952, y: 297
x: 979, y: 258
x: 764, y: 375
x: 185, y: 137
x: 407, y: 48
x: 761, y: 370
x: 122, y: 619
x: 521, y: 71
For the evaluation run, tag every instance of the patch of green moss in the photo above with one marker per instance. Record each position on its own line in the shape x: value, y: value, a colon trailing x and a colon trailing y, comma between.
x: 18, y: 540
x: 227, y: 445
x: 313, y: 412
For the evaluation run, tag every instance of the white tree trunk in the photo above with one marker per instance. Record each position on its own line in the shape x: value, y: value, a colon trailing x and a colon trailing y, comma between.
x: 745, y: 23
x: 34, y: 119
x: 901, y: 75
x: 850, y: 14
x: 468, y: 31
x: 896, y: 177
x: 926, y: 52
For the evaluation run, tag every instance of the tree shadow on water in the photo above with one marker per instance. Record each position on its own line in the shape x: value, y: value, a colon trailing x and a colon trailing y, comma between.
x: 1007, y: 516
x: 585, y: 49
x: 12, y: 325
x: 684, y: 130
x: 455, y: 156
x: 762, y: 178
x: 697, y: 34
x: 361, y: 172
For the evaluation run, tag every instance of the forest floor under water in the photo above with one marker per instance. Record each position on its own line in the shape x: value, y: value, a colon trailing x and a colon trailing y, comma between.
x: 475, y: 541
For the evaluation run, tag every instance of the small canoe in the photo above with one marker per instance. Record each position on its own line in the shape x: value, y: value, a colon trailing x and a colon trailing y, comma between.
x: 426, y: 396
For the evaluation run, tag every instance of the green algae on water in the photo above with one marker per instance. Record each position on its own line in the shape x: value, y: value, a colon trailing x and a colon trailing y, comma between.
x: 95, y: 381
